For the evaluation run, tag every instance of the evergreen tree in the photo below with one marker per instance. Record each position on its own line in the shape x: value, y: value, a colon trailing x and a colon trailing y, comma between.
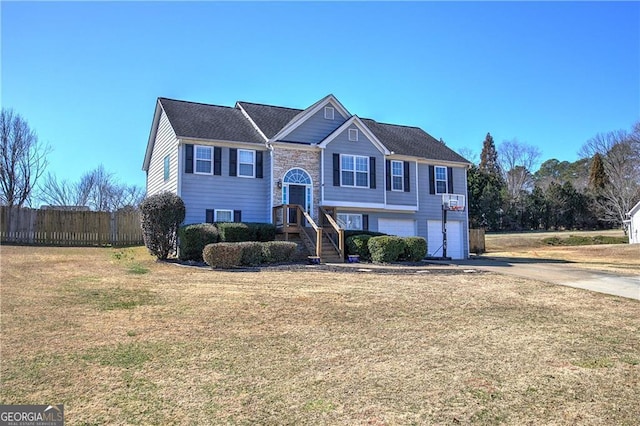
x: 597, y: 174
x: 489, y: 157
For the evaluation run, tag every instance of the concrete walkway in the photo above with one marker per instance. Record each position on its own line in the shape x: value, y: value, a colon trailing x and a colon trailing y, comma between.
x: 559, y: 272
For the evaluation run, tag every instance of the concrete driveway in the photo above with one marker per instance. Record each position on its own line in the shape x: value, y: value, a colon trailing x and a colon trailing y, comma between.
x: 560, y: 272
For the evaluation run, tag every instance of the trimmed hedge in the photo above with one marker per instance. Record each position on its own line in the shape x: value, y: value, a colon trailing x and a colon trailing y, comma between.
x: 237, y: 232
x: 278, y: 251
x: 351, y: 232
x: 359, y: 244
x: 416, y: 248
x: 262, y: 232
x: 222, y: 255
x: 386, y: 249
x: 194, y: 238
x: 248, y: 253
x: 233, y: 232
x: 252, y: 253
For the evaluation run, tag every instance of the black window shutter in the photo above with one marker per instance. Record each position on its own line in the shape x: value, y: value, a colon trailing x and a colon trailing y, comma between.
x: 336, y: 169
x: 372, y: 172
x: 217, y: 161
x: 407, y: 177
x: 237, y: 216
x: 450, y: 179
x: 259, y: 166
x: 432, y: 180
x: 388, y: 175
x: 209, y: 216
x: 188, y: 158
x: 233, y: 162
x: 365, y: 222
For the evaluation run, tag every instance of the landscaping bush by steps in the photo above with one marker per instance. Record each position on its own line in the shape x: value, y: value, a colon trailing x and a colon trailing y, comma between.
x: 386, y: 249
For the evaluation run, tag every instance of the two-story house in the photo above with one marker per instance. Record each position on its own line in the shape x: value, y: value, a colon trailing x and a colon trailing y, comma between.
x: 243, y: 163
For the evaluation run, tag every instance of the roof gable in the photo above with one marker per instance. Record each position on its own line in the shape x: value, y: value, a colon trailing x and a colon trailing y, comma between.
x: 299, y: 119
x: 355, y: 120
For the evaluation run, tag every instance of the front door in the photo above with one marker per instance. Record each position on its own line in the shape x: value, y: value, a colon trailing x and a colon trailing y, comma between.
x: 297, y: 195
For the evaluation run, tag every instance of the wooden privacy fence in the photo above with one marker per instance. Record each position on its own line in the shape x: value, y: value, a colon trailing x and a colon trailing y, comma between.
x: 476, y: 241
x: 69, y: 228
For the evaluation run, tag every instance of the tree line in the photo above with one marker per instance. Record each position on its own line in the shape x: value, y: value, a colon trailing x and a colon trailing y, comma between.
x: 23, y: 183
x: 594, y: 192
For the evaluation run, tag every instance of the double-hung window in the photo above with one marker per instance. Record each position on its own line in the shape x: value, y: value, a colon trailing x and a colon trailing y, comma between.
x: 350, y: 221
x: 441, y: 179
x: 355, y: 171
x: 203, y: 159
x: 397, y: 175
x: 246, y: 163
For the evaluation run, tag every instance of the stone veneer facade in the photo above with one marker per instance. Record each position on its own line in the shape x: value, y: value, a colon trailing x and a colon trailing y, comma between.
x: 285, y: 159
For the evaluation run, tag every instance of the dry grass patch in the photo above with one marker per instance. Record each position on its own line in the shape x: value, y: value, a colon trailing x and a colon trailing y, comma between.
x: 304, y: 346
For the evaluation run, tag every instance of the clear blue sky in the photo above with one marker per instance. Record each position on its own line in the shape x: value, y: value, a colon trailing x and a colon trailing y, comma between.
x: 86, y: 75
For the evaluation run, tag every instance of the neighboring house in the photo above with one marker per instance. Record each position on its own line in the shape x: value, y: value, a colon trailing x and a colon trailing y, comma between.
x: 242, y: 163
x: 634, y: 224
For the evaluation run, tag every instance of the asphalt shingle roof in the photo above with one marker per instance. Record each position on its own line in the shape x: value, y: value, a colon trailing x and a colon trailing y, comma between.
x: 411, y: 141
x: 203, y: 121
x: 270, y: 119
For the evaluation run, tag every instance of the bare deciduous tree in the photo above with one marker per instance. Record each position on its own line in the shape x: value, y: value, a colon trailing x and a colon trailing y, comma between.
x: 517, y: 159
x: 96, y: 189
x: 23, y: 159
x: 620, y: 154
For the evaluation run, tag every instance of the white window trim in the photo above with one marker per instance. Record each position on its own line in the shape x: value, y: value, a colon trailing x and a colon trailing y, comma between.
x: 253, y: 163
x: 195, y: 160
x: 329, y: 113
x: 341, y: 222
x: 436, y: 180
x: 401, y: 175
x: 218, y: 211
x: 354, y: 171
x: 353, y: 132
x: 166, y: 168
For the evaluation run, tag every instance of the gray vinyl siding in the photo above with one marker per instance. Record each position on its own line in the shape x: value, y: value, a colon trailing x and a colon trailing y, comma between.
x: 430, y: 206
x: 374, y: 215
x: 165, y: 144
x: 316, y: 128
x: 363, y: 147
x: 249, y: 195
x: 401, y: 198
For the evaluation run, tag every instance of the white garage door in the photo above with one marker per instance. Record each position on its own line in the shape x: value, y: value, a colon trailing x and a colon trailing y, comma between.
x: 455, y: 245
x: 399, y: 227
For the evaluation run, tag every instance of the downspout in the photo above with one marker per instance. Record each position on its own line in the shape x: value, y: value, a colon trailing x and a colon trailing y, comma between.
x: 180, y: 168
x: 270, y: 148
x: 321, y: 179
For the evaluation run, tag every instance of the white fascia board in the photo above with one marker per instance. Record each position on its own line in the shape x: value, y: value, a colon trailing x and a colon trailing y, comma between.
x: 255, y: 126
x: 432, y: 162
x: 634, y: 209
x: 221, y: 143
x: 304, y: 115
x: 369, y: 206
x: 152, y: 136
x: 355, y: 120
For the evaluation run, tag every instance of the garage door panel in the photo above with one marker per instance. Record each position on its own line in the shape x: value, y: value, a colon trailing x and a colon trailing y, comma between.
x: 399, y: 227
x: 455, y: 245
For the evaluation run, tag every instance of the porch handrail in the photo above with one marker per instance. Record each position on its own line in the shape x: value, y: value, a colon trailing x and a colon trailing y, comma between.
x: 316, y: 228
x: 339, y: 245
